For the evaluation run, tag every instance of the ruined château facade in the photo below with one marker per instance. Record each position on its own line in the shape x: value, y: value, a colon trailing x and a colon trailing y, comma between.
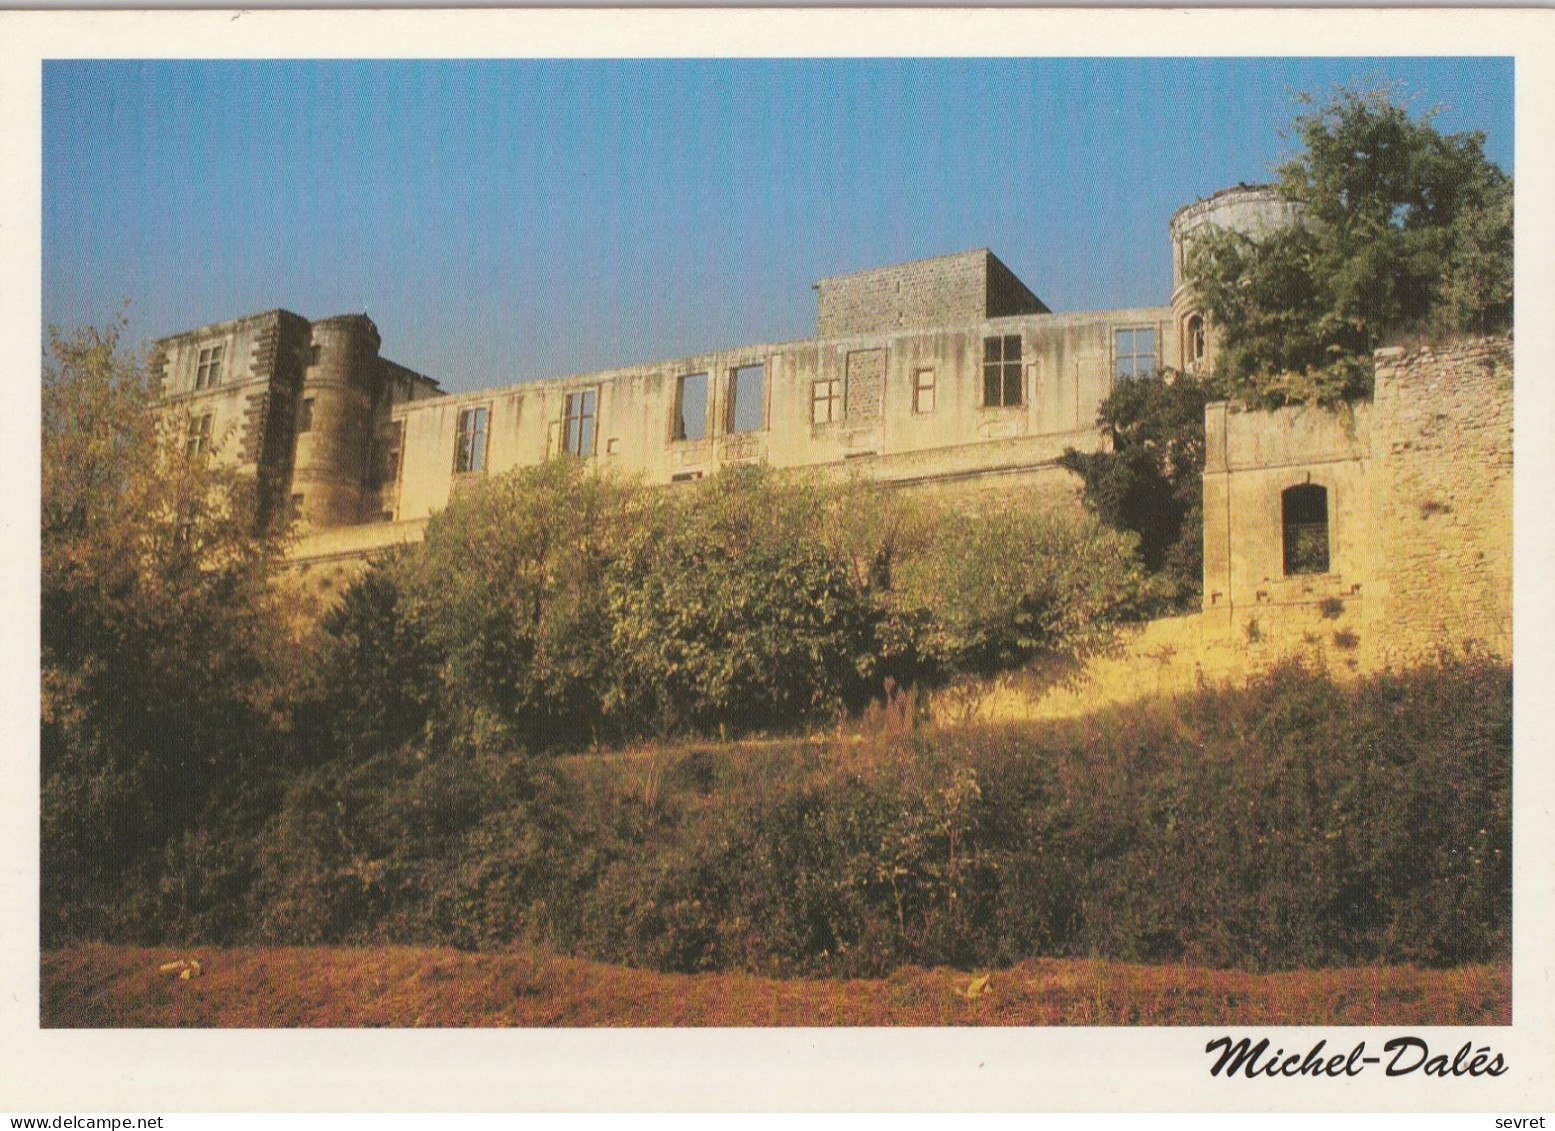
x: 941, y: 370
x: 944, y: 374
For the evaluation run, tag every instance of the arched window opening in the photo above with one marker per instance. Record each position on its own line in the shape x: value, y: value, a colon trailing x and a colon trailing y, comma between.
x: 1304, y: 517
x: 1195, y: 336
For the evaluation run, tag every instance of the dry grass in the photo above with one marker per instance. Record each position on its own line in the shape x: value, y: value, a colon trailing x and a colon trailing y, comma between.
x: 252, y: 987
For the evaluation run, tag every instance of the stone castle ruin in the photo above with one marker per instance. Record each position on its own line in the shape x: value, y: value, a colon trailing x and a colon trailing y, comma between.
x: 945, y: 375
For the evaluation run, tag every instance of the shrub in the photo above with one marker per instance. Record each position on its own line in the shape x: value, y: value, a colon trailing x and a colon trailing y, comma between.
x: 727, y: 614
x: 1150, y: 480
x: 1296, y: 822
x: 378, y: 669
x: 1004, y: 585
x: 509, y: 590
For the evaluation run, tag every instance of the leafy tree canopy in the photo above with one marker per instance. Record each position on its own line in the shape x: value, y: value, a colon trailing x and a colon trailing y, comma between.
x: 1405, y: 230
x: 163, y: 664
x: 1149, y: 481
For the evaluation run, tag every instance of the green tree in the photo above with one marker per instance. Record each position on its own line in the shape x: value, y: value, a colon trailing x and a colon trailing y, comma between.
x: 1404, y: 230
x: 1149, y: 480
x: 1006, y: 584
x: 731, y: 611
x: 509, y: 590
x: 163, y: 671
x: 376, y: 669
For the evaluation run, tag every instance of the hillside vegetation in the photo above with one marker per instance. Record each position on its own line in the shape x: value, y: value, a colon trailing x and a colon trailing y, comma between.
x: 1296, y: 823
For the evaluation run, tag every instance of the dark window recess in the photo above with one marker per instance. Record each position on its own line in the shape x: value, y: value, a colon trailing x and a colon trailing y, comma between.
x: 207, y: 374
x: 1304, y: 519
x: 580, y: 414
x: 745, y: 397
x: 296, y: 508
x: 305, y: 416
x: 1195, y: 335
x: 691, y: 407
x: 470, y: 449
x: 1133, y: 353
x: 685, y: 476
x: 391, y: 445
x: 1001, y: 371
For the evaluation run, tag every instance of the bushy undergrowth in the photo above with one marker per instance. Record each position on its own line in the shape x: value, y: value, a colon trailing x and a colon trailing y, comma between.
x: 562, y: 609
x: 1293, y: 823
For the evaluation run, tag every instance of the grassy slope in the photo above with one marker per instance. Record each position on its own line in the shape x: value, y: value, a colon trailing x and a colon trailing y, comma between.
x: 113, y: 986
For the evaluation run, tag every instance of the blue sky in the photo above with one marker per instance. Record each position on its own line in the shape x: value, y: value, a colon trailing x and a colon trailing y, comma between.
x: 503, y: 220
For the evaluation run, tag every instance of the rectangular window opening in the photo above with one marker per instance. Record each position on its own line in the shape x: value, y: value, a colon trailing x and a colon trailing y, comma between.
x: 207, y: 374
x: 923, y: 391
x: 1133, y: 353
x: 691, y: 407
x: 199, y: 440
x: 1304, y: 522
x: 746, y: 387
x: 1001, y: 371
x: 825, y: 402
x: 580, y: 416
x: 470, y: 449
x: 391, y: 445
x: 305, y: 416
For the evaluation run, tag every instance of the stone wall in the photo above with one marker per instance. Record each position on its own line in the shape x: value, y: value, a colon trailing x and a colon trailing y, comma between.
x: 880, y: 427
x: 968, y: 286
x: 1251, y: 459
x: 1441, y: 500
x: 1421, y: 539
x: 1419, y: 491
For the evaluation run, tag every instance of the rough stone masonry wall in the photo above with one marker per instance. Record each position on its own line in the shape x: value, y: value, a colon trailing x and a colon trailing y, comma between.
x: 1434, y: 573
x: 929, y: 292
x: 1441, y: 501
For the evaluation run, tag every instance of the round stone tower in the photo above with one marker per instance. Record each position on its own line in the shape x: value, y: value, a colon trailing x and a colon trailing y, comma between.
x: 1253, y: 210
x: 334, y: 422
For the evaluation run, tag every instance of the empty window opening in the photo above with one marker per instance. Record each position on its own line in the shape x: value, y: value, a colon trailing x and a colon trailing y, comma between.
x: 923, y: 390
x: 391, y: 445
x: 691, y: 407
x: 685, y: 476
x: 1194, y: 332
x: 305, y: 416
x: 1001, y: 371
x: 825, y: 402
x: 580, y: 416
x: 199, y: 441
x: 1133, y: 352
x: 1304, y: 518
x: 470, y: 450
x: 207, y: 374
x: 746, y: 387
x: 387, y: 516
